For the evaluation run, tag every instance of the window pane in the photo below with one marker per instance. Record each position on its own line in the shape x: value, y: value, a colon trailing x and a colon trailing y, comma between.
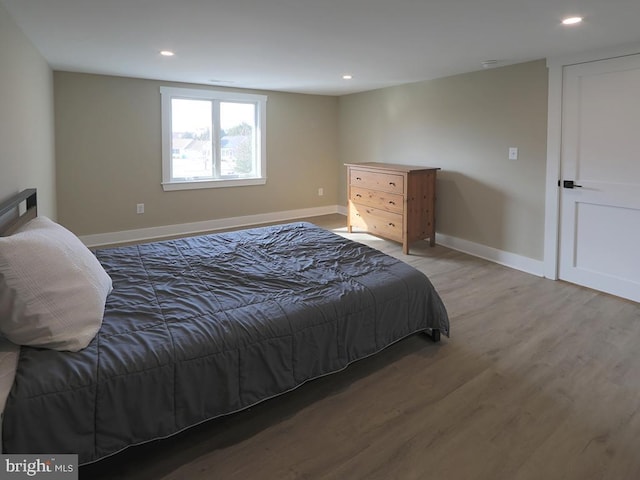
x: 212, y: 138
x: 191, y: 155
x: 237, y: 139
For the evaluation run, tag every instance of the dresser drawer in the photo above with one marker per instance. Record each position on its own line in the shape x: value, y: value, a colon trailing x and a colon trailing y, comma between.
x: 386, y: 182
x: 391, y: 202
x: 377, y: 221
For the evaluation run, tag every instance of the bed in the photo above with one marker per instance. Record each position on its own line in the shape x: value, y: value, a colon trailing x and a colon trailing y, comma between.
x: 200, y: 327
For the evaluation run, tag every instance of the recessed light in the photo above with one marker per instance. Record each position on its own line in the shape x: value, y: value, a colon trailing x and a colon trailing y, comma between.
x: 571, y: 20
x: 347, y: 77
x: 167, y: 53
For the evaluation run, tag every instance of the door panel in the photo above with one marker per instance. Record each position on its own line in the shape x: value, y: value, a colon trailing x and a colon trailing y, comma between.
x: 594, y: 224
x: 600, y: 219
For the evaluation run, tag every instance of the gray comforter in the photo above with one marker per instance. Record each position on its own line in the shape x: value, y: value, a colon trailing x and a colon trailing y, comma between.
x: 201, y: 327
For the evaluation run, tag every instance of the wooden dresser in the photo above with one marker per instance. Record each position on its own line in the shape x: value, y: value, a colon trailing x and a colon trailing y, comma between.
x: 396, y: 202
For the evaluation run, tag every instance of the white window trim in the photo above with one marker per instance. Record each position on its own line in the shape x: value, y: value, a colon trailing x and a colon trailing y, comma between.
x: 168, y: 93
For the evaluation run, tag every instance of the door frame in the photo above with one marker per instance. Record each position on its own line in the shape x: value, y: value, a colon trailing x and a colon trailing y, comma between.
x: 556, y: 67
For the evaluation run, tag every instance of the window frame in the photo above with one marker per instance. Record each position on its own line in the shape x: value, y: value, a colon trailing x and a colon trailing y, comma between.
x: 167, y: 94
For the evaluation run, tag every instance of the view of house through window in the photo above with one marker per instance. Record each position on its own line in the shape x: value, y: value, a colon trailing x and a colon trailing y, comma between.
x: 211, y: 138
x: 237, y: 138
x: 191, y: 147
x: 192, y: 134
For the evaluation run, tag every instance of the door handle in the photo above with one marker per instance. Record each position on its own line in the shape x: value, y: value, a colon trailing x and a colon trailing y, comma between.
x: 570, y: 184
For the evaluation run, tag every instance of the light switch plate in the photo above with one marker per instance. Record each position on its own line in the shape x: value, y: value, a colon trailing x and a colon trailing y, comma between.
x: 513, y: 153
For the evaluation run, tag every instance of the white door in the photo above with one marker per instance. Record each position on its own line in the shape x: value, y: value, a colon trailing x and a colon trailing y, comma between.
x: 600, y: 216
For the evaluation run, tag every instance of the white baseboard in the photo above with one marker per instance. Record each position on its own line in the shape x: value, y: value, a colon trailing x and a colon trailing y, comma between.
x: 512, y: 260
x: 154, y: 233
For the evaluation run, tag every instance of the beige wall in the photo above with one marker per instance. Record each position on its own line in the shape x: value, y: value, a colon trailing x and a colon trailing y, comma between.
x: 108, y: 152
x: 26, y: 118
x: 465, y: 125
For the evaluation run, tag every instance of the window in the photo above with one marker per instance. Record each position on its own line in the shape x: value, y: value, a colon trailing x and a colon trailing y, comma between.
x: 212, y: 138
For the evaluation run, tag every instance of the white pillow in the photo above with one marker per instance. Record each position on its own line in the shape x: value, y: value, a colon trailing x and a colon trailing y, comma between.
x: 52, y: 288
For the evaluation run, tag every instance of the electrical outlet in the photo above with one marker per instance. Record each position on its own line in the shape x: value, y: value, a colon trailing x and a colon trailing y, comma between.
x: 140, y: 208
x: 320, y: 192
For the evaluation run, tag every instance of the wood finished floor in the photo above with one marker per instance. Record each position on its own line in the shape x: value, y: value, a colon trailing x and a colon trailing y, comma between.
x: 539, y: 380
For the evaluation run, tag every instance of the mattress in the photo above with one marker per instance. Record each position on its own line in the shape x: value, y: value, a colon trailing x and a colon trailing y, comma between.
x: 200, y: 327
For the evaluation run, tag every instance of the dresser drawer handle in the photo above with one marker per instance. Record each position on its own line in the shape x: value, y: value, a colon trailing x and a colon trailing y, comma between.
x: 391, y: 202
x: 392, y: 224
x: 358, y: 178
x: 358, y: 195
x: 393, y: 184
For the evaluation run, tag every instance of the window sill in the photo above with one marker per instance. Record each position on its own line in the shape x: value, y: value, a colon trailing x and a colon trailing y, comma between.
x: 194, y: 185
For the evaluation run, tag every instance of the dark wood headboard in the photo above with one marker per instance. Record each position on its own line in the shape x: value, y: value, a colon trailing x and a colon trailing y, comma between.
x: 12, y: 216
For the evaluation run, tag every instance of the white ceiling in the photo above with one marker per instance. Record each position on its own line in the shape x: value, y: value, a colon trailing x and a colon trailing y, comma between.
x: 307, y: 45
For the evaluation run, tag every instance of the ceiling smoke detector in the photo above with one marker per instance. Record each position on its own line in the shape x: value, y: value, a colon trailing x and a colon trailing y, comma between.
x: 489, y: 63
